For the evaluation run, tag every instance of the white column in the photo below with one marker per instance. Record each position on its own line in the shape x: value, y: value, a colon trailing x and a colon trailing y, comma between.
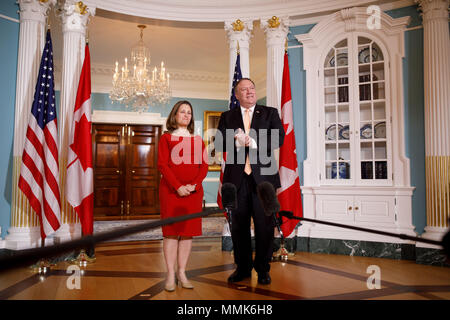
x: 436, y: 45
x: 239, y: 31
x: 24, y: 231
x: 75, y: 17
x: 276, y: 30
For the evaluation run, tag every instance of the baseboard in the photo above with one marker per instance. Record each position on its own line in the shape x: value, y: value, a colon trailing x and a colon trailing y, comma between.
x: 397, y: 251
x: 430, y: 256
x: 400, y: 251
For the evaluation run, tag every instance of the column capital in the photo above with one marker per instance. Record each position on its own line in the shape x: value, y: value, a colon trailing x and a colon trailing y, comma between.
x: 239, y: 31
x: 276, y: 30
x: 433, y: 9
x: 75, y: 15
x: 35, y: 10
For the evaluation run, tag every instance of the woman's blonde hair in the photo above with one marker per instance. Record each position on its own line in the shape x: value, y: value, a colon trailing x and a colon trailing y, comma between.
x: 171, y: 123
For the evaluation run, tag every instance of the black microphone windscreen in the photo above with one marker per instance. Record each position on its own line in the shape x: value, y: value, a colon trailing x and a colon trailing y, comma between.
x: 287, y: 214
x: 268, y: 198
x: 229, y: 200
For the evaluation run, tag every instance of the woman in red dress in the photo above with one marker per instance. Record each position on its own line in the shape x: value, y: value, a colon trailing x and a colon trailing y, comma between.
x: 183, y: 166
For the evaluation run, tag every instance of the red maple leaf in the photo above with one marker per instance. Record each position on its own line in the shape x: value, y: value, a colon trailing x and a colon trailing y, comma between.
x: 82, y: 142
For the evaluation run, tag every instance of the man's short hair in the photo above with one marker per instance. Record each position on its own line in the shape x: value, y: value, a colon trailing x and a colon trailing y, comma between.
x: 242, y: 79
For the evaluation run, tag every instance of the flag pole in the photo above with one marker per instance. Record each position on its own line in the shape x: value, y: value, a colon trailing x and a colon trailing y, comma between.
x: 87, y: 254
x: 282, y: 253
x: 43, y: 265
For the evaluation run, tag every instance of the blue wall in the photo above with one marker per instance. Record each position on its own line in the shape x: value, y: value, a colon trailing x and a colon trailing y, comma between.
x: 9, y: 44
x: 413, y: 105
x: 101, y: 101
x: 298, y: 91
x: 414, y: 112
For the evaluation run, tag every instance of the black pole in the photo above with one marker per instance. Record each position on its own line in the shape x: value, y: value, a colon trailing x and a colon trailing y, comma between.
x: 384, y: 233
x: 29, y: 256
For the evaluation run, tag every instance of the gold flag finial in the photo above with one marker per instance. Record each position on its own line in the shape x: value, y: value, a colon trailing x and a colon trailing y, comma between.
x: 238, y: 25
x: 47, y: 22
x: 274, y: 22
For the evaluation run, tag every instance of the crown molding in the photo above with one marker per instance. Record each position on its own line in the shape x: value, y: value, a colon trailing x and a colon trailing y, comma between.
x: 2, y: 16
x: 220, y: 11
x: 313, y: 19
x: 108, y: 70
x: 185, y: 83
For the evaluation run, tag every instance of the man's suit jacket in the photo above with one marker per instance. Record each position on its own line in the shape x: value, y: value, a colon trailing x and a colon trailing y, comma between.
x: 268, y: 132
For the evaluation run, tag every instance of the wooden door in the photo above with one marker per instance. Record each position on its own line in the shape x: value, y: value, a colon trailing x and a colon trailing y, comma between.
x: 126, y: 178
x: 142, y: 176
x: 109, y: 155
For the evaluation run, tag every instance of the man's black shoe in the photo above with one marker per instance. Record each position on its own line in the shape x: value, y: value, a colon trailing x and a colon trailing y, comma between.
x: 237, y: 276
x: 264, y: 278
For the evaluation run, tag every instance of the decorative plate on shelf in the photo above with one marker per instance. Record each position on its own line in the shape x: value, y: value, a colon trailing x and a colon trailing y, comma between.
x: 364, y: 55
x: 366, y: 131
x: 344, y: 133
x: 330, y: 133
x: 380, y: 130
x: 342, y: 59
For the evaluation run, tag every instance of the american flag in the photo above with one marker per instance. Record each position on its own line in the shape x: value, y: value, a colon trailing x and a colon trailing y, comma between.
x: 39, y: 173
x: 234, y: 103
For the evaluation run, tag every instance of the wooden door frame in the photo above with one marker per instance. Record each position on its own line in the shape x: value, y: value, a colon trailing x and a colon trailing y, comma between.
x: 131, y: 118
x: 123, y: 117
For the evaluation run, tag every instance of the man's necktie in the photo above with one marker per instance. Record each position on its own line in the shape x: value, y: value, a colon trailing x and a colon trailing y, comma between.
x: 247, y: 168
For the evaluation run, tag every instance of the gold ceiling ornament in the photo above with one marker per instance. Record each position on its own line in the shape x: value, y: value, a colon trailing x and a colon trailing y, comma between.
x: 81, y: 8
x: 238, y: 25
x: 141, y: 87
x: 274, y: 22
x: 43, y: 1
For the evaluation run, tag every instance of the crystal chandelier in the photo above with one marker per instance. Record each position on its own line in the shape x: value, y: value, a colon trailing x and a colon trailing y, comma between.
x: 140, y: 88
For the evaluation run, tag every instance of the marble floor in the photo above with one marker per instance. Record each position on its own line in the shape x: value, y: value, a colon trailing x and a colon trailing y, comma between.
x: 135, y: 270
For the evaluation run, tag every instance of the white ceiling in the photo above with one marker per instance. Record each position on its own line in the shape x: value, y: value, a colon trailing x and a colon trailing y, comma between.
x: 187, y: 48
x: 192, y: 49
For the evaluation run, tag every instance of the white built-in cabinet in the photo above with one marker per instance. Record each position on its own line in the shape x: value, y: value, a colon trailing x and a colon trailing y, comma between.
x: 356, y: 172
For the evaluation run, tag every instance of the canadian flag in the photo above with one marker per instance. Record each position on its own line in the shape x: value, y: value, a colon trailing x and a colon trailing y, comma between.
x: 79, y: 179
x: 289, y: 195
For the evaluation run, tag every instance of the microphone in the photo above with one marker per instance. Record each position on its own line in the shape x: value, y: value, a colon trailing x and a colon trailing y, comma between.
x: 268, y: 198
x: 271, y: 206
x: 287, y: 214
x: 269, y: 202
x: 229, y: 201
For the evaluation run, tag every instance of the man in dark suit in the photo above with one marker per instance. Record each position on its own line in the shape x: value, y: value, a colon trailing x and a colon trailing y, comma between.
x: 250, y: 134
